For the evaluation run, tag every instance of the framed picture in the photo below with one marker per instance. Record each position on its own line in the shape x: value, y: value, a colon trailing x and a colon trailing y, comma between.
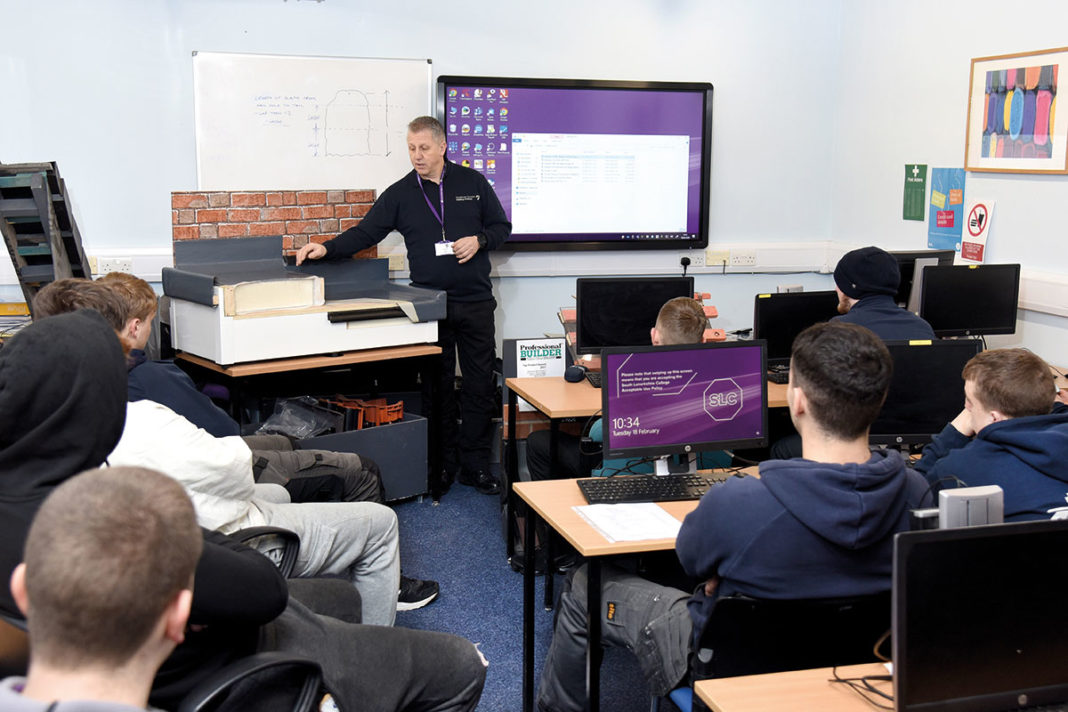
x: 1013, y: 125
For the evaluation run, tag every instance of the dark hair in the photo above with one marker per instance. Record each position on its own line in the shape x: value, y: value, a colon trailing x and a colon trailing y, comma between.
x: 108, y: 551
x: 72, y: 294
x: 681, y: 320
x: 427, y: 123
x: 1015, y: 382
x: 844, y: 370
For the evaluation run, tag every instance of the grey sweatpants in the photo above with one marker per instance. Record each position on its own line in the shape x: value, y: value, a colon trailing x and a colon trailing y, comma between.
x: 315, y: 475
x: 642, y: 616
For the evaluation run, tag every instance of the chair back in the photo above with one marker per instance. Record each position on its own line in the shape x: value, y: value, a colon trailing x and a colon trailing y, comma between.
x: 747, y: 636
x: 265, y: 682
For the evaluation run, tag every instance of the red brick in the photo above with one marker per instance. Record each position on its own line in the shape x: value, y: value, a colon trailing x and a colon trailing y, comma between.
x: 189, y: 200
x: 245, y: 215
x: 345, y: 224
x: 266, y: 228
x: 209, y: 232
x: 219, y: 200
x: 320, y: 238
x: 204, y: 216
x: 335, y: 196
x: 282, y: 214
x: 174, y: 217
x: 289, y: 197
x: 186, y: 216
x: 318, y: 211
x: 297, y: 227
x: 311, y: 197
x: 328, y: 226
x: 233, y: 230
x: 342, y: 211
x: 274, y: 198
x: 248, y: 200
x: 359, y: 196
x: 299, y: 241
x: 287, y: 243
x: 358, y: 211
x: 186, y: 232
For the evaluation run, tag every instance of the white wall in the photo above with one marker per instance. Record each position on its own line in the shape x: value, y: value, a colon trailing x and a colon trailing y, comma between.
x: 818, y: 105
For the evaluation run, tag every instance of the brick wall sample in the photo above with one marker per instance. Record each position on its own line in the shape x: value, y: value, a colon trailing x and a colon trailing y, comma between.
x: 299, y: 216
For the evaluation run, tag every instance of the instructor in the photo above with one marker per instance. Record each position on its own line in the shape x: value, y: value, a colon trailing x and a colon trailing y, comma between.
x: 450, y: 219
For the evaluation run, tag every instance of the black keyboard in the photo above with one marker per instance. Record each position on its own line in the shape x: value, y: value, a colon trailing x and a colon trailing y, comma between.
x: 779, y: 376
x: 594, y: 377
x: 647, y: 488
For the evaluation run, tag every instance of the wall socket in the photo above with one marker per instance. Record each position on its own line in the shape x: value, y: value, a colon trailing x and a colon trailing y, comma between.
x: 111, y: 264
x: 784, y: 288
x: 717, y: 258
x: 743, y: 258
x: 697, y: 257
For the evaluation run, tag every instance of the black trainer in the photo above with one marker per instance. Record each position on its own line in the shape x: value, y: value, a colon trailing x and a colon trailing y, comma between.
x: 415, y: 593
x: 481, y: 480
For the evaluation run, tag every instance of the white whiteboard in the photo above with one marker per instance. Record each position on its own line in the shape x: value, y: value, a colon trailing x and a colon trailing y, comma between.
x: 268, y: 122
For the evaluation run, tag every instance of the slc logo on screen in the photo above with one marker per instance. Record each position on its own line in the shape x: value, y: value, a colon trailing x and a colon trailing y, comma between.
x: 723, y: 399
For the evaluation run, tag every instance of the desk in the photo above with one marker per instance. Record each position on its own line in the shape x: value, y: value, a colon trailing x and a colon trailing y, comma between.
x: 553, y: 500
x: 796, y: 690
x: 427, y: 357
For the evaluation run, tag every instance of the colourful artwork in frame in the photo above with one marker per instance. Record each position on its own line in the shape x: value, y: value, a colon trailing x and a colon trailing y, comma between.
x: 1013, y: 125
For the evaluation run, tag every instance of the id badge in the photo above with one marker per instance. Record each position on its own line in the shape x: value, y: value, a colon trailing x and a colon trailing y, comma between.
x: 443, y: 249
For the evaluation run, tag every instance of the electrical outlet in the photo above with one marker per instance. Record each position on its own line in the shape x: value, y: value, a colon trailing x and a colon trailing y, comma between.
x: 743, y: 258
x: 697, y: 258
x: 786, y: 288
x: 717, y: 257
x: 396, y: 262
x: 114, y: 264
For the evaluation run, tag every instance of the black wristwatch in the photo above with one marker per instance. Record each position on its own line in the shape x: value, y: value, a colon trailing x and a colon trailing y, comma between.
x: 481, y: 242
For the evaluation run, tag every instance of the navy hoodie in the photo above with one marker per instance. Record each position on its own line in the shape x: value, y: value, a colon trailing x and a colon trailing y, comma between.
x: 1026, y: 457
x: 163, y: 382
x: 890, y: 322
x: 804, y: 529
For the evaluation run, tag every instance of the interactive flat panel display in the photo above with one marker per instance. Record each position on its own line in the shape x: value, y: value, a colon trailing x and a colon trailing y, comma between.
x: 587, y: 164
x: 666, y: 400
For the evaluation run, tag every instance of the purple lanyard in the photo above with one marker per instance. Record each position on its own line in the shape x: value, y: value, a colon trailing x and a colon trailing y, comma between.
x: 441, y: 197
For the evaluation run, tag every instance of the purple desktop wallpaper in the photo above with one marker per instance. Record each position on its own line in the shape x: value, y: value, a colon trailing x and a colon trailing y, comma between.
x: 480, y: 122
x: 665, y: 398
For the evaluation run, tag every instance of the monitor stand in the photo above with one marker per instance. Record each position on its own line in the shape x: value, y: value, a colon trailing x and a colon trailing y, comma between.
x: 668, y: 465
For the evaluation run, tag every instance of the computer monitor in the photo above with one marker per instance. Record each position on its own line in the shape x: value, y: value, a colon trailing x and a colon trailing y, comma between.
x: 970, y: 300
x: 620, y: 311
x: 779, y: 318
x: 659, y: 401
x: 979, y: 619
x: 907, y: 261
x: 926, y: 391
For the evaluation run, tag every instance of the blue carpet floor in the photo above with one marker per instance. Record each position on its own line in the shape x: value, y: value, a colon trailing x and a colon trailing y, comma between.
x: 458, y: 543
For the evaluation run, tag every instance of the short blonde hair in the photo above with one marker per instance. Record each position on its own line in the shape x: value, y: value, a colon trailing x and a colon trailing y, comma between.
x: 681, y: 320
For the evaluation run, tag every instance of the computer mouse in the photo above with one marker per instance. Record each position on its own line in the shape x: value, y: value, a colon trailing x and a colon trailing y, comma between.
x: 574, y: 374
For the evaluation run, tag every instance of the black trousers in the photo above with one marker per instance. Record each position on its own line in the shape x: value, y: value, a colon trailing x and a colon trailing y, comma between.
x: 467, y: 331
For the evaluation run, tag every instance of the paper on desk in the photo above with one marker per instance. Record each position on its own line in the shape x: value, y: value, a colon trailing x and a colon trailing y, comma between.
x: 630, y: 522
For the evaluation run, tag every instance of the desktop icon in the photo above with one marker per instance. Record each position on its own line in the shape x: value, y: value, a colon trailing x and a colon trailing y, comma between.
x: 491, y: 130
x: 478, y: 164
x: 465, y: 163
x: 478, y: 93
x: 504, y: 112
x: 503, y: 146
x: 452, y: 128
x: 465, y: 93
x: 492, y: 93
x: 478, y: 148
x: 491, y: 182
x: 465, y: 129
x: 478, y: 129
x: 489, y: 113
x: 465, y: 147
x: 452, y: 110
x: 504, y: 128
x: 478, y: 111
x: 453, y: 146
x: 504, y: 93
x: 491, y: 164
x: 465, y: 111
x: 452, y: 93
x: 490, y: 147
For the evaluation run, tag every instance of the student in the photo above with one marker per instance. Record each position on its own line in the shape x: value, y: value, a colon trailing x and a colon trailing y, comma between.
x: 450, y: 219
x: 680, y: 321
x: 62, y: 407
x: 867, y: 281
x: 355, y: 539
x: 308, y: 475
x: 812, y: 528
x: 106, y: 588
x: 1009, y: 434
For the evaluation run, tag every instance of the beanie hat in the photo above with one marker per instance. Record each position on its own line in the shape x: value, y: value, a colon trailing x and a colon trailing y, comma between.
x: 866, y: 272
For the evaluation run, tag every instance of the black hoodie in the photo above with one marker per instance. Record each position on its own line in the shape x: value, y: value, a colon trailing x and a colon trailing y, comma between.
x: 62, y: 410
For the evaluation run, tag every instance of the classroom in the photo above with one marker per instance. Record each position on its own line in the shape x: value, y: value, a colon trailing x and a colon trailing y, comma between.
x: 819, y: 107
